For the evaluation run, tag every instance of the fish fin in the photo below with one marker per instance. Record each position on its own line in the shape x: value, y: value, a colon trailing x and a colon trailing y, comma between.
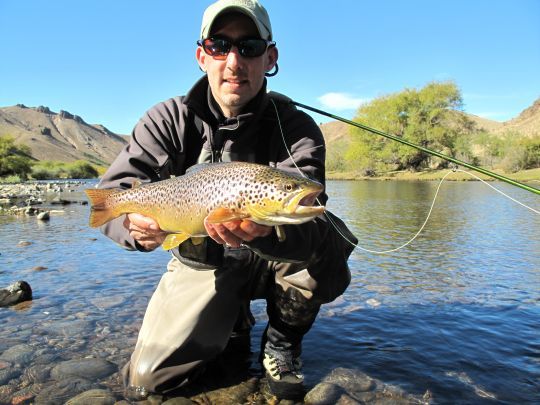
x: 173, y: 240
x: 99, y: 213
x: 220, y: 215
x: 136, y: 183
x: 197, y: 240
x: 197, y: 167
x: 280, y: 232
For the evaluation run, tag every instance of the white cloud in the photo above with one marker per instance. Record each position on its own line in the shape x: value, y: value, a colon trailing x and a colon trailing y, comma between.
x: 341, y: 101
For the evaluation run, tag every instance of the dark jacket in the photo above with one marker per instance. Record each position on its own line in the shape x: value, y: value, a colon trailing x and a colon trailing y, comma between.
x: 182, y: 131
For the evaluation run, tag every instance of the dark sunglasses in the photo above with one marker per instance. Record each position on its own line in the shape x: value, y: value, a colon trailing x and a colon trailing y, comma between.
x: 219, y: 48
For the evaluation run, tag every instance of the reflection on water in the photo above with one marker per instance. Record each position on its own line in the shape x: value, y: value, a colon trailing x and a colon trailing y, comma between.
x: 456, y: 312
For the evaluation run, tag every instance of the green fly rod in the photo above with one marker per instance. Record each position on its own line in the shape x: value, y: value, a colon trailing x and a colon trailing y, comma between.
x: 423, y: 149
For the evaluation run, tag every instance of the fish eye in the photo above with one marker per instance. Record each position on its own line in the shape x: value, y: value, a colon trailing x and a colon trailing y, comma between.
x: 289, y: 187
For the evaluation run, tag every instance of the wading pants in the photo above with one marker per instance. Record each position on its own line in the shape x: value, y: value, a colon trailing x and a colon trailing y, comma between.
x: 192, y: 313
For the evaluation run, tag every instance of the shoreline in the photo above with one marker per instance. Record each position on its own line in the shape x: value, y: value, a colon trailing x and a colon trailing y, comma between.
x: 531, y: 175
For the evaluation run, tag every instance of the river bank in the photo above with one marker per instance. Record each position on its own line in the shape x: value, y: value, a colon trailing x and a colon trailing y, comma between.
x: 531, y: 175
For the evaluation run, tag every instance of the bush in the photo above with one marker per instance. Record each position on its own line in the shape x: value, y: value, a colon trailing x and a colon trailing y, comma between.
x: 14, y: 159
x: 48, y: 170
x: 81, y: 170
x: 13, y: 179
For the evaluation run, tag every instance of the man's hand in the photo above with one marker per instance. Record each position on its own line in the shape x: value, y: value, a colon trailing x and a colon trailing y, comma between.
x: 144, y: 230
x: 233, y: 233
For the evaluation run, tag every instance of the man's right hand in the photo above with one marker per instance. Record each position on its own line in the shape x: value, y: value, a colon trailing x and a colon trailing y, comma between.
x: 144, y: 230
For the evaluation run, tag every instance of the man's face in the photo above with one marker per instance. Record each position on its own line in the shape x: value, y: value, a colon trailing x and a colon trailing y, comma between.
x: 236, y: 80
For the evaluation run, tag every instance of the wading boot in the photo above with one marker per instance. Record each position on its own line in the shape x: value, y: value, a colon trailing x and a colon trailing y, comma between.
x: 284, y: 374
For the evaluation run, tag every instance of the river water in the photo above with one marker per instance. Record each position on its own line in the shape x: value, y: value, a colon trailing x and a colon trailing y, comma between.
x: 455, y: 313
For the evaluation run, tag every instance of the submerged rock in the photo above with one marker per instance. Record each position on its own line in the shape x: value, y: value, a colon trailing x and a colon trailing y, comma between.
x: 93, y: 397
x: 44, y: 216
x: 19, y: 354
x: 13, y: 294
x: 61, y: 391
x: 91, y: 369
x: 349, y: 386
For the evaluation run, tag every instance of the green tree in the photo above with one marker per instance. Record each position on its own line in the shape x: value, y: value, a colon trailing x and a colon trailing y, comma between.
x: 431, y: 117
x: 14, y: 159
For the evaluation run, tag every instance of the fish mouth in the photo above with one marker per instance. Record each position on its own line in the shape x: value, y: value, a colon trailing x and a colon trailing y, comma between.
x: 296, y: 209
x: 305, y: 207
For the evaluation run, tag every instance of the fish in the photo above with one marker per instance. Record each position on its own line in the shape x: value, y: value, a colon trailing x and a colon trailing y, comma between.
x: 218, y: 192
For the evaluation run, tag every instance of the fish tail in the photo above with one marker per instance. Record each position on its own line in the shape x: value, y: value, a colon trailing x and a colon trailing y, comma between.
x: 100, y: 213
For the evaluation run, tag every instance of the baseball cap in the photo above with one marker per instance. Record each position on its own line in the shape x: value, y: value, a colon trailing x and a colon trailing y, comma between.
x: 252, y: 8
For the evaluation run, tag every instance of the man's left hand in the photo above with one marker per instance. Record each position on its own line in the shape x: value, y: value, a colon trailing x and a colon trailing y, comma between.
x: 234, y: 233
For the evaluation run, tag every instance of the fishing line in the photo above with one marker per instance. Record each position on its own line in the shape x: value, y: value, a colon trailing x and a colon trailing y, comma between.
x: 430, y: 208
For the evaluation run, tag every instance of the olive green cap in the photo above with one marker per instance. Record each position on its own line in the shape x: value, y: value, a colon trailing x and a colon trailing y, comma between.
x: 252, y: 8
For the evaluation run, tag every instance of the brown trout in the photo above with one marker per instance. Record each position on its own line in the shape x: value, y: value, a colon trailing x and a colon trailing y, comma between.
x: 220, y: 192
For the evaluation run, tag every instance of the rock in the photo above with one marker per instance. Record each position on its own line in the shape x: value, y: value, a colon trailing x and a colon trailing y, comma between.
x: 45, y: 131
x: 61, y: 391
x: 65, y: 114
x: 13, y: 294
x: 18, y: 354
x: 44, y: 216
x: 7, y: 374
x: 25, y: 395
x: 67, y: 328
x: 178, y: 401
x: 39, y: 268
x: 60, y: 201
x: 93, y: 397
x: 37, y: 373
x: 351, y: 380
x: 108, y: 302
x: 43, y: 109
x: 91, y: 369
x: 236, y: 394
x: 348, y: 386
x: 323, y: 394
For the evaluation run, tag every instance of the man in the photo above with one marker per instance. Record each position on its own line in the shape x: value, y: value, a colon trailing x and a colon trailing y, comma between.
x: 204, y: 296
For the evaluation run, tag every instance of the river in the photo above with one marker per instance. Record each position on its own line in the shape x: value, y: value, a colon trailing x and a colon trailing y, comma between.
x: 455, y: 313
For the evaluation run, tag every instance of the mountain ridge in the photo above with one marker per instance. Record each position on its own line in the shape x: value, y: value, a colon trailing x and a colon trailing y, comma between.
x: 59, y: 136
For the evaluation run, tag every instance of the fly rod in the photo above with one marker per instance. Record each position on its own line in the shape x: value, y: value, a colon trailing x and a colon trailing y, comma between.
x: 423, y: 149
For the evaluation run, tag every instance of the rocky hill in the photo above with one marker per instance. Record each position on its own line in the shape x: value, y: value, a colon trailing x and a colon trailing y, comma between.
x: 59, y: 136
x: 527, y: 123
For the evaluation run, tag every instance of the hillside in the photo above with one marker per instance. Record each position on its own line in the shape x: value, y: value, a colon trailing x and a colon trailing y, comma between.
x: 527, y: 123
x: 59, y: 136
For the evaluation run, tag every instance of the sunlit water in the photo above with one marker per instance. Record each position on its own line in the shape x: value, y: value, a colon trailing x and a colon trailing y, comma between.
x: 455, y: 313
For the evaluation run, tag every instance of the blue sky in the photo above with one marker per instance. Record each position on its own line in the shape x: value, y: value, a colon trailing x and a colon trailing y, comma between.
x: 109, y: 61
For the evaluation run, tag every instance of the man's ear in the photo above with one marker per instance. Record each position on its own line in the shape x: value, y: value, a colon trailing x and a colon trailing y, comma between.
x: 272, y: 58
x: 200, y: 55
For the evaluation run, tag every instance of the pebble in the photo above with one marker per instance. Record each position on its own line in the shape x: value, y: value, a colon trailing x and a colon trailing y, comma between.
x: 7, y: 374
x: 19, y: 354
x: 91, y: 369
x: 44, y: 216
x: 61, y: 391
x: 22, y: 198
x: 372, y: 302
x: 93, y: 397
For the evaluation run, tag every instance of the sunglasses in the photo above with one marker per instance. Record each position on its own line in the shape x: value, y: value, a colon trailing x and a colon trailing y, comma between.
x: 219, y: 48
